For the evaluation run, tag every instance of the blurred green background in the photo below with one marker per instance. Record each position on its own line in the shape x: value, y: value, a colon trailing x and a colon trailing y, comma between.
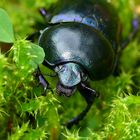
x: 27, y: 115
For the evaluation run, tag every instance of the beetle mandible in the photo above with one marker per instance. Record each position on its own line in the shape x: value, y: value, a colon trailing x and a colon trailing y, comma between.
x: 82, y: 40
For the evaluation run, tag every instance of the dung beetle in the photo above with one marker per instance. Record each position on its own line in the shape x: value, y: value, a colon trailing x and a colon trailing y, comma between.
x: 81, y: 41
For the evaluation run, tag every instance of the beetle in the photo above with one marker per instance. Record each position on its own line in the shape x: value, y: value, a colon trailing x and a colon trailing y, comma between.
x: 81, y: 41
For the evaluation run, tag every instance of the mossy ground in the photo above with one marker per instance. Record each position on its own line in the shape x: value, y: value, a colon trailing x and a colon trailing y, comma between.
x: 27, y: 115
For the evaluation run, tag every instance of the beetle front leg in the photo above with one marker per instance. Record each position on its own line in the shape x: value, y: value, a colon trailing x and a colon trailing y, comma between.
x: 42, y: 81
x: 89, y: 95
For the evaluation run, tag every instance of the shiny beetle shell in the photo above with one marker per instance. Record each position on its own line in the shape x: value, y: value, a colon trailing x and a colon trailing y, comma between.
x: 78, y: 43
x: 86, y: 33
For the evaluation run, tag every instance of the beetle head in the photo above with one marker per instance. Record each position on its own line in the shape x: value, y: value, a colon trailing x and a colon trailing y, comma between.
x: 70, y: 75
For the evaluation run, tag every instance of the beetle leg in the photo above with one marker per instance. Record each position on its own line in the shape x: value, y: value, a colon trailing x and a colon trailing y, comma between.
x: 44, y: 13
x: 89, y: 95
x: 43, y: 82
x: 133, y: 34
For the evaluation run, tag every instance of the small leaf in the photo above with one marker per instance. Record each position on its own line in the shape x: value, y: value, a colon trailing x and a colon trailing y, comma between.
x: 6, y: 28
x: 27, y: 55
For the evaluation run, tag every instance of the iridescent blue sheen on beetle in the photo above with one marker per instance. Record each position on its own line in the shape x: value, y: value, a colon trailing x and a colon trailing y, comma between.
x: 86, y: 34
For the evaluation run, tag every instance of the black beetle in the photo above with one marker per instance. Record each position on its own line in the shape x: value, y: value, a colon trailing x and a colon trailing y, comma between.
x: 82, y: 40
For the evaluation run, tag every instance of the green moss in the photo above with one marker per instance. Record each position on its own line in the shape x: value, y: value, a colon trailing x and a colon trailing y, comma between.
x: 27, y: 114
